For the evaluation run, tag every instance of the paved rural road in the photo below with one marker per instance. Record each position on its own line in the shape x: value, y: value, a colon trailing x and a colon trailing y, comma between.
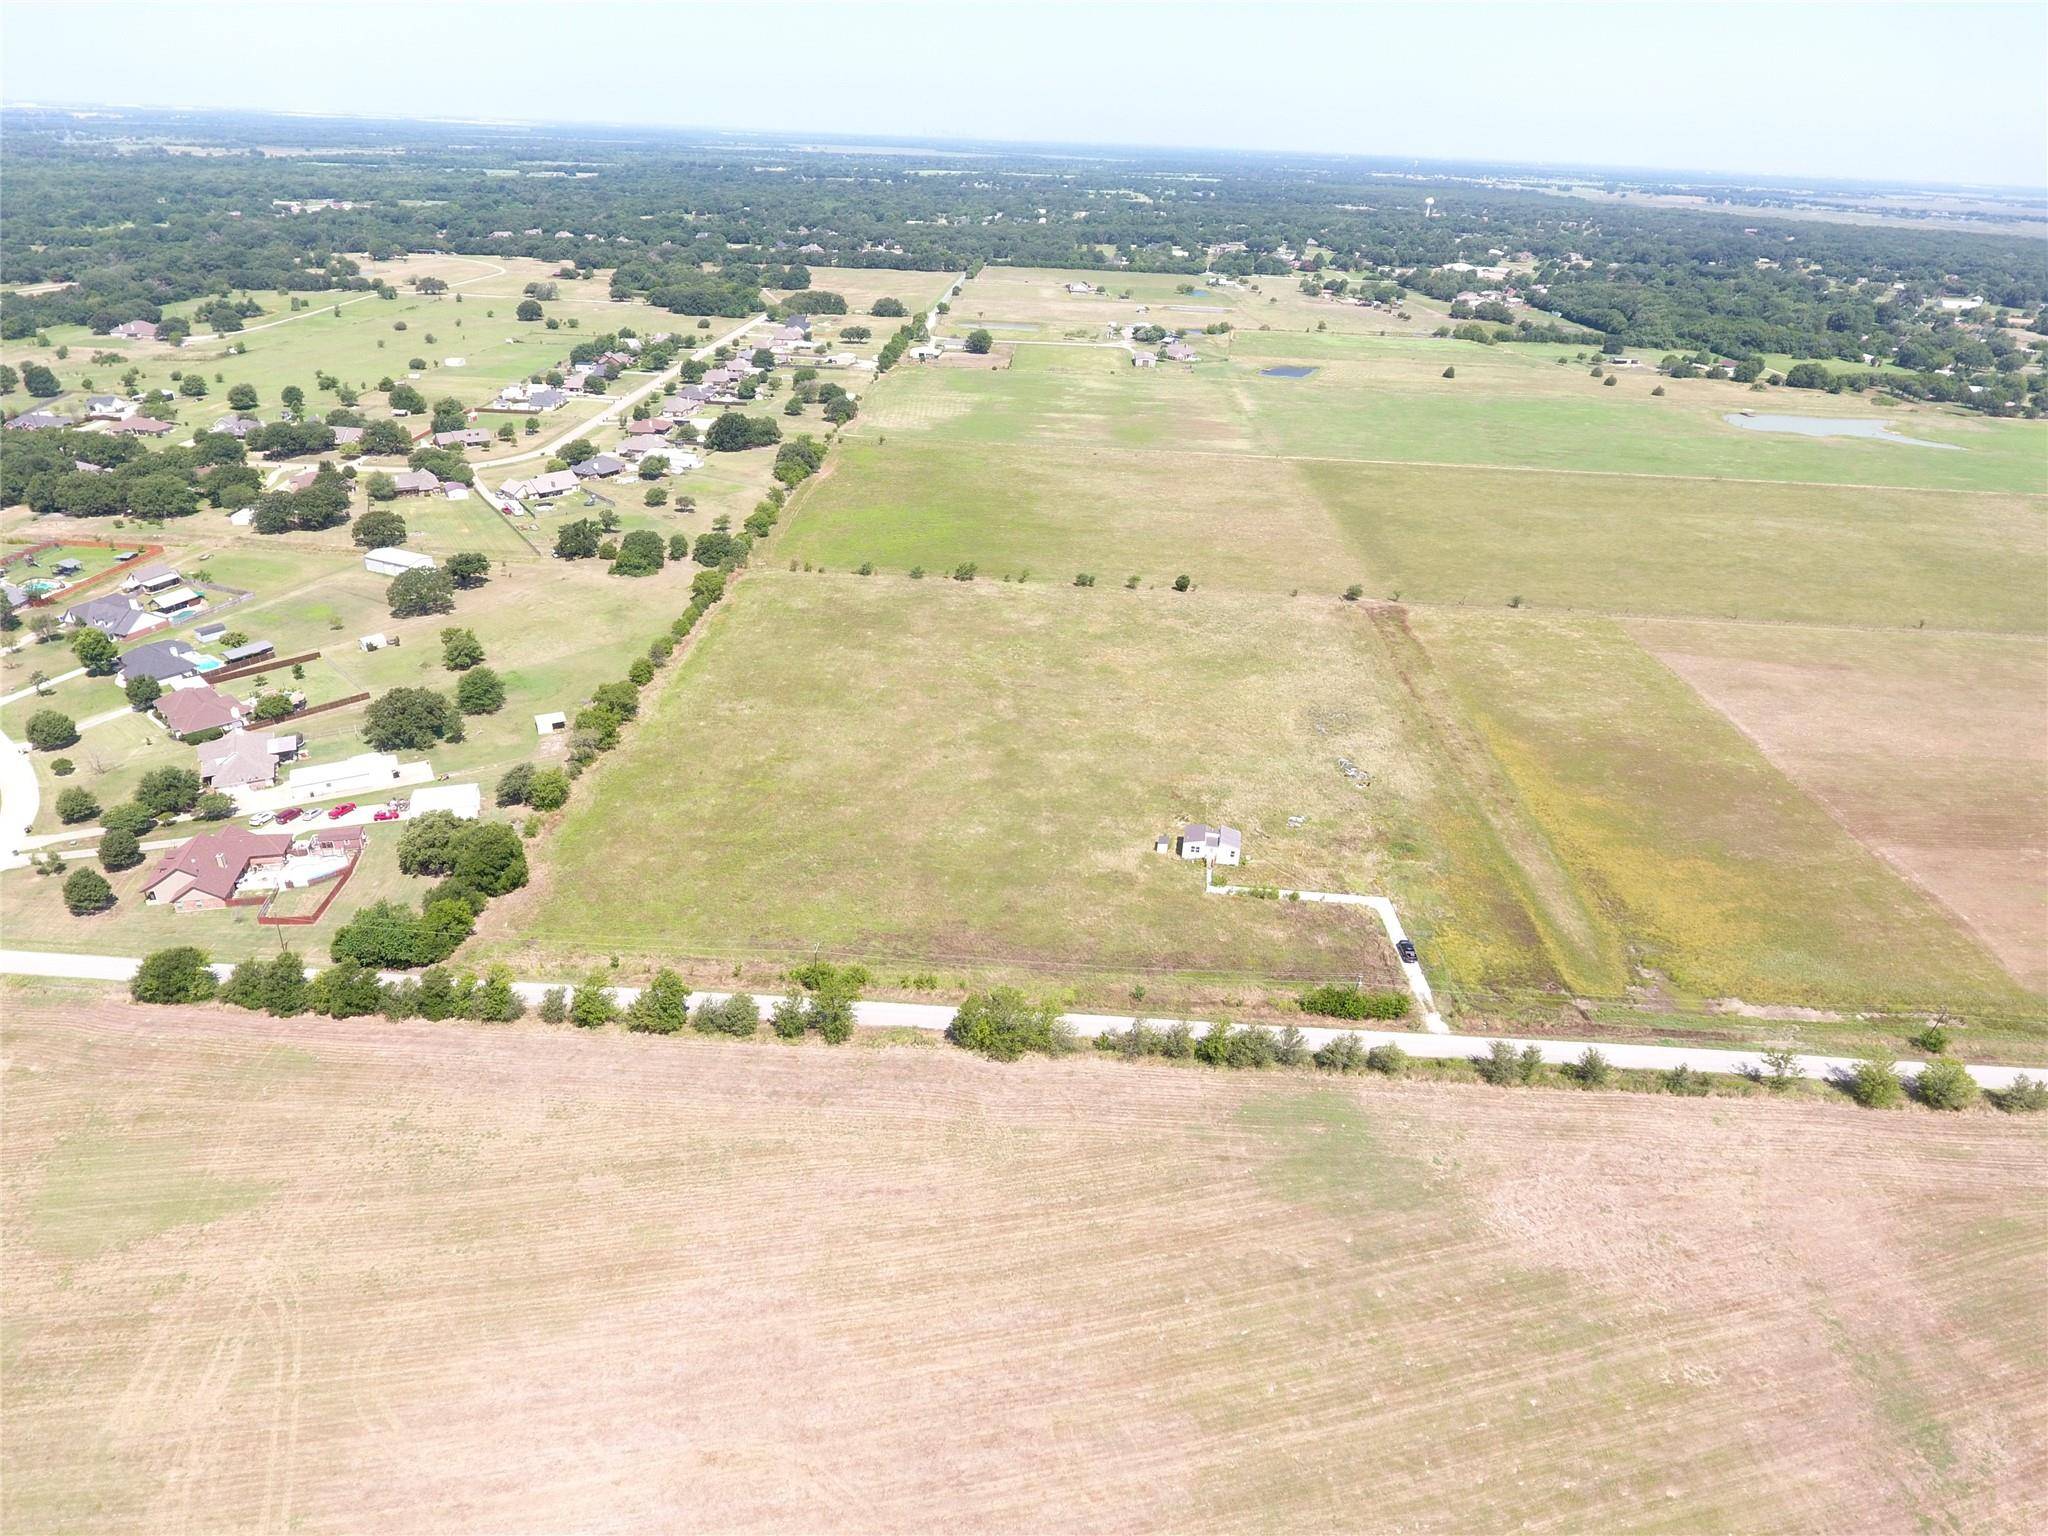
x: 934, y: 1017
x: 623, y: 403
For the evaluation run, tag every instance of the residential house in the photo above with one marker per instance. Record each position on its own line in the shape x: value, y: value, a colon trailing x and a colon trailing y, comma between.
x: 1144, y: 360
x: 1177, y: 351
x: 396, y: 562
x: 164, y: 660
x: 185, y: 711
x: 599, y: 466
x: 468, y: 437
x: 345, y: 436
x: 140, y: 426
x: 115, y: 613
x: 109, y: 408
x: 557, y: 483
x: 239, y: 427
x: 39, y: 421
x: 202, y: 875
x: 416, y: 482
x: 653, y: 427
x: 136, y: 330
x: 238, y: 760
x: 1218, y: 845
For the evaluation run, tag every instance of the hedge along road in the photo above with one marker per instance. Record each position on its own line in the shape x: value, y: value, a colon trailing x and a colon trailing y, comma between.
x: 934, y: 1017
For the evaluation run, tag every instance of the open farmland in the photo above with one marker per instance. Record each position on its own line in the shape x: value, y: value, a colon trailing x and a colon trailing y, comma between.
x: 1558, y: 814
x: 504, y: 1278
x: 940, y: 774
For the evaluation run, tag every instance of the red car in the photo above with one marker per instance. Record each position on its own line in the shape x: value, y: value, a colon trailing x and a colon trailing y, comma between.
x: 389, y: 813
x: 341, y: 810
x: 289, y: 813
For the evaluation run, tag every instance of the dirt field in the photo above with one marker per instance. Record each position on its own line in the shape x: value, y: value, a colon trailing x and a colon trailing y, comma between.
x: 1958, y: 802
x: 268, y: 1275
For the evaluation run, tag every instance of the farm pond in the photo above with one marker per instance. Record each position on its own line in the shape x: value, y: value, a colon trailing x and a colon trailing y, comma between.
x: 1286, y: 371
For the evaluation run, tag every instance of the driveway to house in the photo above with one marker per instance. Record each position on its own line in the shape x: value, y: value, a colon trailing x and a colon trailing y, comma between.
x: 625, y: 402
x: 934, y: 1017
x: 1381, y: 907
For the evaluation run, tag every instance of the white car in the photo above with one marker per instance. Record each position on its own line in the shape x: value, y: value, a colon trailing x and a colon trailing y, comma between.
x: 262, y: 819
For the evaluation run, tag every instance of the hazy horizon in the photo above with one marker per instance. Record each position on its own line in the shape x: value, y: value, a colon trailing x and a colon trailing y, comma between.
x: 1689, y: 88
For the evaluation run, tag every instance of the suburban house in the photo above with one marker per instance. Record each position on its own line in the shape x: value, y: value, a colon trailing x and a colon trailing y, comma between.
x: 202, y: 875
x: 141, y: 426
x: 344, y: 436
x: 1217, y: 845
x: 416, y: 482
x: 468, y: 437
x: 395, y: 562
x: 185, y: 711
x: 558, y: 483
x: 109, y: 408
x: 40, y: 421
x: 163, y: 660
x: 136, y: 330
x: 1177, y: 351
x: 653, y: 427
x: 243, y: 760
x: 116, y: 613
x: 598, y: 466
x: 303, y: 479
x: 239, y: 427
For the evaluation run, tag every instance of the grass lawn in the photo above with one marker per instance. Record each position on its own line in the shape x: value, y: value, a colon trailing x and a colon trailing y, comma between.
x: 969, y: 777
x: 903, y: 499
x: 1711, y: 868
x: 33, y: 913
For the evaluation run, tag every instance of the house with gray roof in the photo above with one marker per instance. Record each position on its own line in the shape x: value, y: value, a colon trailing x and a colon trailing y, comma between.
x: 115, y: 614
x: 162, y: 660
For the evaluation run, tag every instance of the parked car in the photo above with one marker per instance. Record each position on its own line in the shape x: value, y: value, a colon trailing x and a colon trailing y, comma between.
x: 341, y: 810
x: 389, y: 813
x: 289, y: 813
x: 1406, y: 950
x: 261, y: 819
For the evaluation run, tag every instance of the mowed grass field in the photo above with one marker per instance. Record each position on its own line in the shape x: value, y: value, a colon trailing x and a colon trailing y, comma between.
x: 1572, y: 818
x: 969, y: 777
x: 443, y: 1275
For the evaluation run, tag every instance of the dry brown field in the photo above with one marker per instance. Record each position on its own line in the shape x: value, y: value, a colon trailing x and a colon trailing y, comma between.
x: 318, y: 1276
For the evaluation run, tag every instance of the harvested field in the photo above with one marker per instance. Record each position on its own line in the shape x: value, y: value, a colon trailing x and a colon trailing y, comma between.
x: 1957, y: 800
x: 269, y: 1274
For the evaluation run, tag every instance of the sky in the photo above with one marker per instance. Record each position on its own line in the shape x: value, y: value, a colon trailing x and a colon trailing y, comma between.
x: 1946, y: 93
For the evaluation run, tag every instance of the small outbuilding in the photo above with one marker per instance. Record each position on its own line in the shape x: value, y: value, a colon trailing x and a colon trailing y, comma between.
x: 395, y: 562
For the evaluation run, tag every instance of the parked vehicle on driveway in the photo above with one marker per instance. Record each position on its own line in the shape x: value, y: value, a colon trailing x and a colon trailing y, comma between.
x: 261, y: 819
x: 389, y: 813
x: 289, y: 813
x: 341, y: 810
x: 1406, y: 950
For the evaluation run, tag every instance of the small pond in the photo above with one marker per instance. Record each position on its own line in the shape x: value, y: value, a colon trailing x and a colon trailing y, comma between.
x: 1829, y: 426
x: 1287, y: 371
